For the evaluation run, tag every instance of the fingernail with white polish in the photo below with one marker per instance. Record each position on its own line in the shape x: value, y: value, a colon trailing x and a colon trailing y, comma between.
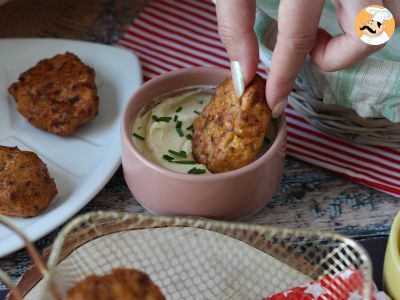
x: 237, y: 78
x: 279, y: 107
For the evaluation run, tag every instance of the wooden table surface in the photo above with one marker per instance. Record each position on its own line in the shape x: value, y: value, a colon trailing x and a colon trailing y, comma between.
x: 309, y: 197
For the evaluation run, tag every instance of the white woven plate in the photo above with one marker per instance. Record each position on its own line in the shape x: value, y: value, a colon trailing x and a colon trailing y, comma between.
x: 83, y: 163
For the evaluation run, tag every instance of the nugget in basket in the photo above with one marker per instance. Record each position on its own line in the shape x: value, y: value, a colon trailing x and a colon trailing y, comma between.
x: 124, y: 284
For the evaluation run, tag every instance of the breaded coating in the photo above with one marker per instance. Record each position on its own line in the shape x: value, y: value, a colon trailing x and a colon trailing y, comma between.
x: 26, y: 187
x: 58, y: 94
x: 230, y: 131
x: 124, y: 284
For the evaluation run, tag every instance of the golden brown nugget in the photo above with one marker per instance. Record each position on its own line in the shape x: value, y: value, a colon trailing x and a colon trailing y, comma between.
x: 124, y: 284
x: 26, y: 187
x: 230, y: 131
x: 58, y: 94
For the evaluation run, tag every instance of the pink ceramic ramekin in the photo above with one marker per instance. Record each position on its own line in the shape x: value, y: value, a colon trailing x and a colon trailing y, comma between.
x: 231, y: 195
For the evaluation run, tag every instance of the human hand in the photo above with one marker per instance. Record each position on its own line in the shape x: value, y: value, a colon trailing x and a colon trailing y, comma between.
x: 298, y: 36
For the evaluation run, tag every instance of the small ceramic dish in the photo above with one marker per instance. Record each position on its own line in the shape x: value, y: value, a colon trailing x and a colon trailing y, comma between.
x: 391, y: 270
x: 231, y: 195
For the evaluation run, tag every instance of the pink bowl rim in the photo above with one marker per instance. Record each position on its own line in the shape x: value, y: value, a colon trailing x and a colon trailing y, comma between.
x: 279, y: 140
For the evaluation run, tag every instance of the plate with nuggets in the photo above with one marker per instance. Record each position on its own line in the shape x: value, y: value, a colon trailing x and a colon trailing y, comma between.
x: 60, y: 106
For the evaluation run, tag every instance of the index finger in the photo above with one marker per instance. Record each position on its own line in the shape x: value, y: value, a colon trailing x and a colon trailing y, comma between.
x: 297, y: 28
x: 236, y: 28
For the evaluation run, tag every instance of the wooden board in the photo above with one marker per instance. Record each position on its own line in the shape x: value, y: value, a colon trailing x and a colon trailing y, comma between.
x: 310, y: 197
x: 61, y: 18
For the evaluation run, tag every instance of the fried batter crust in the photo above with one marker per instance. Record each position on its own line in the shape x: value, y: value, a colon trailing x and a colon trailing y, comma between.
x: 26, y: 187
x: 124, y: 284
x: 230, y: 131
x: 57, y: 94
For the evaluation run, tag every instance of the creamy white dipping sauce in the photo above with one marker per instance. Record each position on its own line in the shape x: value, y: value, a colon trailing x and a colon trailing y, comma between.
x: 155, y: 133
x: 157, y: 124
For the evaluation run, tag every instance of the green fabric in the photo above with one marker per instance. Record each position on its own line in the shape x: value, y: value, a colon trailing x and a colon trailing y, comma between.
x: 371, y: 87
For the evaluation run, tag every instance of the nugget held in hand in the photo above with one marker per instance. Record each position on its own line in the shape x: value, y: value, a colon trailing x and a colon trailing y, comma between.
x: 58, y: 94
x: 230, y: 131
x: 26, y: 187
x: 127, y: 284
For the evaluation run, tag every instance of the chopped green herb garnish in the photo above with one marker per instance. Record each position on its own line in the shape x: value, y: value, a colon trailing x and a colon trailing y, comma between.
x: 196, y: 112
x: 189, y: 136
x: 179, y: 109
x: 190, y: 127
x: 140, y: 127
x: 164, y: 119
x: 180, y: 132
x: 201, y: 101
x: 179, y: 154
x: 179, y: 128
x: 161, y: 119
x: 196, y: 171
x: 175, y: 118
x: 138, y: 136
x: 185, y: 162
x: 167, y: 157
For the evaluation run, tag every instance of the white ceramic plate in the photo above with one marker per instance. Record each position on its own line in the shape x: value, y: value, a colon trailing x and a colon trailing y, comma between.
x: 83, y: 163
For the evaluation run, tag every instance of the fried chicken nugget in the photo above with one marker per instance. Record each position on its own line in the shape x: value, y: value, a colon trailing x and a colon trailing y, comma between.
x: 26, y: 187
x: 58, y: 94
x: 230, y: 131
x: 124, y: 284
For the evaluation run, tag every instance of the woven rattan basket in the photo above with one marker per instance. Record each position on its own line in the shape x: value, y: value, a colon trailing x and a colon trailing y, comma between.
x: 337, y: 121
x: 344, y: 123
x: 190, y: 258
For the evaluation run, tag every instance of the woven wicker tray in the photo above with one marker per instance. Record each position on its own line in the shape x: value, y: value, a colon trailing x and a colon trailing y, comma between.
x: 344, y: 123
x: 191, y: 258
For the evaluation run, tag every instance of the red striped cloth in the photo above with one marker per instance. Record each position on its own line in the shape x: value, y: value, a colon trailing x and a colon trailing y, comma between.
x: 169, y: 35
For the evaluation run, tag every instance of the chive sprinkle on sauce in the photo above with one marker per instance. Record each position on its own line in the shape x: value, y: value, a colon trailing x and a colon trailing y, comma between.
x: 175, y: 118
x: 196, y: 171
x: 185, y: 162
x: 196, y: 112
x: 138, y: 136
x: 179, y: 109
x: 189, y: 136
x: 201, y: 101
x: 179, y: 154
x: 167, y: 157
x: 190, y: 127
x: 161, y: 119
x: 179, y: 128
x: 180, y: 132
